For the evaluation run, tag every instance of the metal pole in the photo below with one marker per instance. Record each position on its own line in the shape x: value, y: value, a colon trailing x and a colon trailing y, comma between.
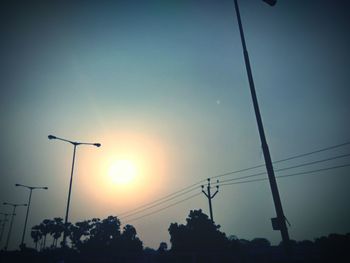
x: 25, y: 222
x: 3, y: 226
x: 209, y: 197
x: 9, y: 233
x: 280, y: 222
x: 69, y: 193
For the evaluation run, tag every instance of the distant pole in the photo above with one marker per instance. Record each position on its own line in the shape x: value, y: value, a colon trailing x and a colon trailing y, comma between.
x: 31, y: 188
x: 12, y: 218
x: 278, y: 223
x: 209, y: 196
x: 68, y: 202
x: 3, y: 225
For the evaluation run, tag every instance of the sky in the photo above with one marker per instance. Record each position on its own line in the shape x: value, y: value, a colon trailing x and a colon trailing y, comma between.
x: 162, y: 86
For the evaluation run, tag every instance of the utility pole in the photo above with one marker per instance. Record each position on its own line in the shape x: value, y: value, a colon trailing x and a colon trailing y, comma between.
x: 210, y: 196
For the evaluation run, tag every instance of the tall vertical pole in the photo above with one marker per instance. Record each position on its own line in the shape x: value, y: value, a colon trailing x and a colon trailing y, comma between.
x: 279, y: 223
x: 69, y: 193
x: 3, y: 226
x: 209, y: 199
x: 25, y: 222
x: 10, y: 229
x: 209, y: 196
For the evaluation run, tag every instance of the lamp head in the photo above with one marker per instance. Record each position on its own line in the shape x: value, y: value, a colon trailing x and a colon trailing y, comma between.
x: 270, y: 2
x: 45, y: 188
x: 17, y: 184
x: 51, y: 137
x: 97, y: 144
x: 4, y: 203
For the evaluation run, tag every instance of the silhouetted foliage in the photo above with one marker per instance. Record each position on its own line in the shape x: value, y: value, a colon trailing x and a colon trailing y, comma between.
x: 197, y: 241
x: 199, y: 238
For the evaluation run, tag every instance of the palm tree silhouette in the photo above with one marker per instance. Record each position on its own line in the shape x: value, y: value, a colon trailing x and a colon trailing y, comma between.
x: 56, y: 230
x: 36, y: 235
x: 45, y: 228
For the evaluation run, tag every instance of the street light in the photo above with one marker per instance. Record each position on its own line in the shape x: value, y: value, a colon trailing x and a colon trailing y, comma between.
x: 75, y: 144
x: 3, y: 224
x: 12, y: 217
x: 31, y: 188
x: 278, y: 223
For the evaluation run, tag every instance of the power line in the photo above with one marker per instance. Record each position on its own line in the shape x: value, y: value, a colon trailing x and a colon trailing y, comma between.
x: 242, y: 182
x: 287, y: 168
x: 314, y: 162
x: 159, y: 203
x: 177, y: 193
x: 163, y: 208
x: 162, y: 198
x: 284, y: 160
x: 313, y: 152
x: 288, y: 175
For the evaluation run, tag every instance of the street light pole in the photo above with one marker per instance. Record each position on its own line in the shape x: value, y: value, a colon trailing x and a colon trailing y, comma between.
x: 3, y: 225
x: 31, y: 188
x: 12, y: 218
x: 75, y: 144
x: 69, y: 193
x: 278, y: 223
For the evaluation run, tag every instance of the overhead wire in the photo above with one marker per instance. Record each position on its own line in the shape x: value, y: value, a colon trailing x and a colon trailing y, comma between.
x: 241, y: 182
x: 163, y: 208
x: 159, y: 200
x: 287, y: 175
x: 192, y: 187
x: 157, y: 204
x: 284, y: 160
x: 286, y: 168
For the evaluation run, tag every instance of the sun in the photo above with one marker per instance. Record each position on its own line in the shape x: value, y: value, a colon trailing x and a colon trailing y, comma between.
x: 122, y: 172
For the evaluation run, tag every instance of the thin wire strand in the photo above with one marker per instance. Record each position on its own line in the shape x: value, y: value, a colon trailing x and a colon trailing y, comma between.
x: 283, y: 160
x: 286, y: 168
x: 163, y: 208
x: 162, y: 198
x: 288, y: 175
x: 157, y: 204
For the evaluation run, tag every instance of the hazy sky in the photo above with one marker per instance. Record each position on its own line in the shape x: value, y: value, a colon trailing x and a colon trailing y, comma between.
x: 163, y: 85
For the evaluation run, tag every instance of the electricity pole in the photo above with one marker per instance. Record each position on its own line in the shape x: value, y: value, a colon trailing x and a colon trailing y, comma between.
x: 210, y: 196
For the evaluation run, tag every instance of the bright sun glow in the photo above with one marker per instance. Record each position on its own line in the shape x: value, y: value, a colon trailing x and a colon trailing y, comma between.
x: 122, y: 172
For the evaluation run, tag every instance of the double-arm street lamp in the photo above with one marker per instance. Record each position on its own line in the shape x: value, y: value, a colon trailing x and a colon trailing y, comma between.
x: 31, y: 188
x: 278, y: 223
x: 75, y: 144
x: 12, y: 217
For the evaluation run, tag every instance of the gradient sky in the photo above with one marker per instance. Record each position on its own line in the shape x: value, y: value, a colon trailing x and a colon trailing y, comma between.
x: 163, y: 83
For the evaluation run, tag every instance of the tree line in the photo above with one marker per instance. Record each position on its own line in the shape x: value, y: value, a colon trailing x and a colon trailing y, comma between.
x: 199, y: 240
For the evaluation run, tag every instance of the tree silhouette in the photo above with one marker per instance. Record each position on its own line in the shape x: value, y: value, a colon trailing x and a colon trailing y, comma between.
x: 36, y: 235
x: 79, y: 231
x: 130, y: 243
x: 45, y: 228
x: 56, y: 229
x: 199, y: 237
